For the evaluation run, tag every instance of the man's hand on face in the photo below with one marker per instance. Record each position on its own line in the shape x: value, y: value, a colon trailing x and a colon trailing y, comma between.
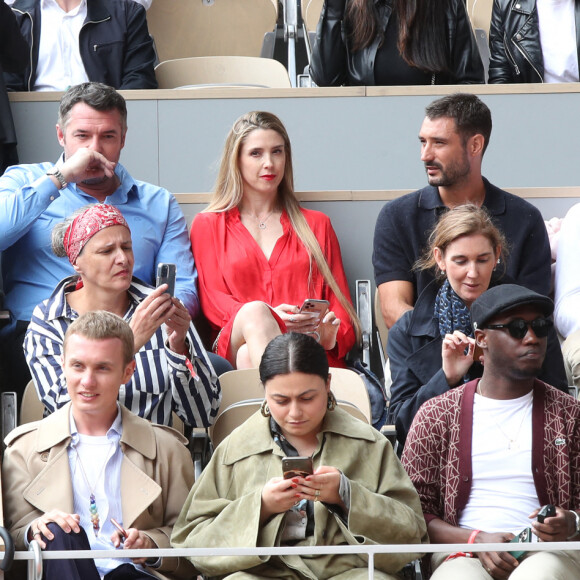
x: 86, y: 165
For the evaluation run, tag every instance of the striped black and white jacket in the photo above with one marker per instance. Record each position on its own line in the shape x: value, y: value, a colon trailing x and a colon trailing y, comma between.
x: 161, y: 383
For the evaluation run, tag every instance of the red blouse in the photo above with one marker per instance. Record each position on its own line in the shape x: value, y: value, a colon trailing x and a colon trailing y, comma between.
x: 233, y: 270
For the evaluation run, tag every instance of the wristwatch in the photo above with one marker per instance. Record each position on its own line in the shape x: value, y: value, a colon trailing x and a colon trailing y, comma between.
x: 55, y: 172
x: 577, y: 528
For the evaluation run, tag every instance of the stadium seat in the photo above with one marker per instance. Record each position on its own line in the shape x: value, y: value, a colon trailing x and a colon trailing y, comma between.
x: 479, y: 12
x: 242, y: 395
x: 239, y: 71
x: 183, y: 28
x: 32, y: 408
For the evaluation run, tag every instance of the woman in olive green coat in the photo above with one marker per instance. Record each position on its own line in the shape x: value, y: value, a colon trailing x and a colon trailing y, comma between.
x: 358, y: 493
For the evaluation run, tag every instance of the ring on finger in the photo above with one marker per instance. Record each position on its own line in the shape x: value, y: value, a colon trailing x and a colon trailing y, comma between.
x: 317, y: 495
x: 292, y: 319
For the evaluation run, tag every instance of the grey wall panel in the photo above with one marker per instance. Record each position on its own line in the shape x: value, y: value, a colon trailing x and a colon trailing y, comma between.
x: 338, y: 143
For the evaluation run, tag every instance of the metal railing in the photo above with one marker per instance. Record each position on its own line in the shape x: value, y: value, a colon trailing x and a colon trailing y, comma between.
x: 35, y: 556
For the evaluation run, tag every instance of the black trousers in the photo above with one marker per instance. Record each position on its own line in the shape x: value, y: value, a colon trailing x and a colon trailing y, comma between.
x: 80, y: 569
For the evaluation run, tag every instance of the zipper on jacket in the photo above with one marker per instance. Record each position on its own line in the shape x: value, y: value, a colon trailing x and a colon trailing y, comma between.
x: 95, y: 46
x: 29, y: 83
x: 524, y: 54
x: 509, y: 55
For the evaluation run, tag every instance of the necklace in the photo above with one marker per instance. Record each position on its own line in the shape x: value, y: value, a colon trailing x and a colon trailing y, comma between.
x: 93, y: 509
x: 261, y: 222
x: 513, y: 443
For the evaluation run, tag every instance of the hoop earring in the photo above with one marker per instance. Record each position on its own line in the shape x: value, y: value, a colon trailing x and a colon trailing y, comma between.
x: 331, y: 402
x: 264, y: 409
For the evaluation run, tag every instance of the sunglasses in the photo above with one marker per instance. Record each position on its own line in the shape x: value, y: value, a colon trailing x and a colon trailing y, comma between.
x: 518, y: 327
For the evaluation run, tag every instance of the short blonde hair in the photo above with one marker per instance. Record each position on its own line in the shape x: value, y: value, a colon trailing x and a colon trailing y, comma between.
x: 100, y: 325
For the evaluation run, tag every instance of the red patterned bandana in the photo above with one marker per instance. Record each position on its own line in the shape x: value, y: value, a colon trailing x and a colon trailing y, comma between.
x: 87, y: 224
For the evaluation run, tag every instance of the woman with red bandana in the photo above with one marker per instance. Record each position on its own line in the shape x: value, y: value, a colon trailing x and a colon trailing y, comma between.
x: 259, y: 255
x: 173, y: 371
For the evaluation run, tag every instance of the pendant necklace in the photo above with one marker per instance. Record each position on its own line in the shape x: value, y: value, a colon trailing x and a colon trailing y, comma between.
x: 262, y: 223
x: 93, y: 509
x: 512, y: 441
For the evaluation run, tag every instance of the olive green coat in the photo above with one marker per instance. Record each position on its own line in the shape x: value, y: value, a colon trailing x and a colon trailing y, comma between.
x: 223, y: 507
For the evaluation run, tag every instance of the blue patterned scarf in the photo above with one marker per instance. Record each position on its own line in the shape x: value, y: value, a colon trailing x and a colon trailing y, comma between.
x: 451, y: 312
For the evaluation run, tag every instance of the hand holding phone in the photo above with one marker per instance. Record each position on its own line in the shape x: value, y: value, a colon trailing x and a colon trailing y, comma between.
x: 166, y: 275
x: 296, y: 467
x: 525, y: 536
x: 120, y: 528
x: 314, y: 306
x: 547, y: 511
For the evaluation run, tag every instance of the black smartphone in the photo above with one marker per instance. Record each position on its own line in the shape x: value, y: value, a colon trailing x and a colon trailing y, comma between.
x: 312, y: 305
x: 547, y: 511
x: 296, y: 467
x: 166, y: 275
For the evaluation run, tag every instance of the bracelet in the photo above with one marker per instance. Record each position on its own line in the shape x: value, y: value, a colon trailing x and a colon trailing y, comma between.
x: 471, y: 540
x: 576, y: 527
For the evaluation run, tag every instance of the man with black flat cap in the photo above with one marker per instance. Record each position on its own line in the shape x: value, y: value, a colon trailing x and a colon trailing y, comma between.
x: 486, y: 456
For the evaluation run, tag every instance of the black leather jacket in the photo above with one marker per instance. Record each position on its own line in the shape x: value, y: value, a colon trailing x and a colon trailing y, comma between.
x: 333, y: 64
x: 514, y: 42
x: 114, y: 42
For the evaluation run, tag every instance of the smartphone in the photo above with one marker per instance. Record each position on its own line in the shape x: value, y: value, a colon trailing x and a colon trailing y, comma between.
x: 296, y: 467
x: 311, y: 306
x: 119, y: 527
x: 166, y: 275
x: 547, y: 511
x: 524, y: 536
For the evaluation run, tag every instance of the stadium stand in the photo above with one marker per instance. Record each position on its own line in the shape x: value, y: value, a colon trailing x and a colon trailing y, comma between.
x: 240, y: 71
x: 182, y: 28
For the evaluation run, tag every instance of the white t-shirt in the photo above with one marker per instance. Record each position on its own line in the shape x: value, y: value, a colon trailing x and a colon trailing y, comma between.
x: 558, y: 40
x: 503, y: 493
x: 567, y: 281
x: 59, y: 59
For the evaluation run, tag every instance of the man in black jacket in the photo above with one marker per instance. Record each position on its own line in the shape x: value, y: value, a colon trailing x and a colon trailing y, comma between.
x: 71, y: 41
x: 13, y: 58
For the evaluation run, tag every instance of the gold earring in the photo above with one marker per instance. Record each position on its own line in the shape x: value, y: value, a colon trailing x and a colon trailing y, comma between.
x: 331, y: 403
x: 264, y: 409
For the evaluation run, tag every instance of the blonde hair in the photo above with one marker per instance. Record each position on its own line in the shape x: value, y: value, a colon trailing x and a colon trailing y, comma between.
x: 101, y: 325
x: 229, y: 192
x: 463, y: 220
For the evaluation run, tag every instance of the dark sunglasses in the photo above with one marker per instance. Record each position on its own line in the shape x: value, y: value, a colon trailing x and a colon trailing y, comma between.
x: 518, y: 327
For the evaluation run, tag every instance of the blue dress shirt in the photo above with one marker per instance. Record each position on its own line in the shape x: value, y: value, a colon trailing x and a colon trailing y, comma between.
x: 31, y: 205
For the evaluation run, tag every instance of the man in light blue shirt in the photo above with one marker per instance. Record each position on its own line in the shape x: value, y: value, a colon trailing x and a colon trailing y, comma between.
x: 91, y: 128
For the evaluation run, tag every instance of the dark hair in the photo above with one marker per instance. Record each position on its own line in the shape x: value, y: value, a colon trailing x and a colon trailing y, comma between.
x: 471, y: 115
x: 97, y: 96
x: 293, y: 352
x: 422, y: 36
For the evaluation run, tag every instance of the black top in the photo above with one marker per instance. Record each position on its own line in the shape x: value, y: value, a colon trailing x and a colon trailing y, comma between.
x: 404, y: 225
x: 390, y: 67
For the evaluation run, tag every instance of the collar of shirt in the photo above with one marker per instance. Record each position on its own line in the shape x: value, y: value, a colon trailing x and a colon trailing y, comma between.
x: 114, y: 433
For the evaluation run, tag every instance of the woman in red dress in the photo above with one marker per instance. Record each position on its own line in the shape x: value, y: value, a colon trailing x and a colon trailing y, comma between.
x: 259, y: 255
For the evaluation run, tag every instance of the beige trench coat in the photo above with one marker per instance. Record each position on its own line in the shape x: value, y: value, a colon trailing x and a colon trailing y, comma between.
x: 223, y: 507
x: 156, y: 476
